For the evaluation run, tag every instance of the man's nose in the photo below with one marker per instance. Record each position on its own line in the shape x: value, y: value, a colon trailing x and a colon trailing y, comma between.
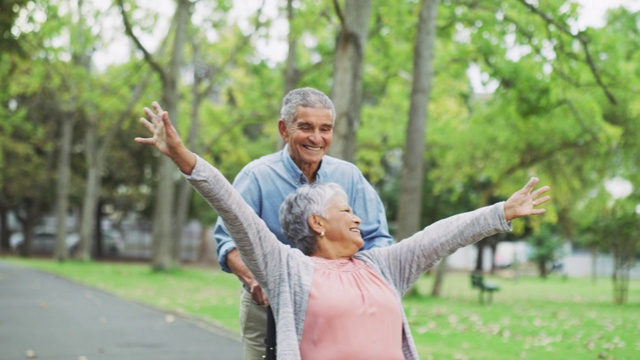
x: 315, y: 136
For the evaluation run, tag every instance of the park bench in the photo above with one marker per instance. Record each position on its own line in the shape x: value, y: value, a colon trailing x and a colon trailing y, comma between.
x: 477, y: 281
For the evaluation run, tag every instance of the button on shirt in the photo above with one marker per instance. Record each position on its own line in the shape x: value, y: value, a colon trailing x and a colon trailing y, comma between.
x: 264, y: 183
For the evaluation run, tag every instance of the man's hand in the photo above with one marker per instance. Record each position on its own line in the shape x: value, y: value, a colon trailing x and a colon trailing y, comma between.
x: 523, y: 202
x: 257, y: 294
x: 239, y: 268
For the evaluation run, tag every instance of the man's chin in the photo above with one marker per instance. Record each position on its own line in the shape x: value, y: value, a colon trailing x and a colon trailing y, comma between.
x: 313, y: 158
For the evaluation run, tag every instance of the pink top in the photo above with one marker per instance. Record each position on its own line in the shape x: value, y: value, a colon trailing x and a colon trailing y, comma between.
x: 352, y: 314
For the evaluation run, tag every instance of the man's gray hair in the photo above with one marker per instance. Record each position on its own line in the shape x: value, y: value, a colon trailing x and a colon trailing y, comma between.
x: 304, y: 97
x: 299, y: 205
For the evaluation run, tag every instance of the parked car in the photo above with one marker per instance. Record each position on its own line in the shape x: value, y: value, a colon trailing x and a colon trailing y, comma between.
x: 43, y: 242
x: 112, y: 243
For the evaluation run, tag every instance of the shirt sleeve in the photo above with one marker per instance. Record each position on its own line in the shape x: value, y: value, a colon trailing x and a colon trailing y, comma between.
x: 246, y: 185
x: 368, y: 206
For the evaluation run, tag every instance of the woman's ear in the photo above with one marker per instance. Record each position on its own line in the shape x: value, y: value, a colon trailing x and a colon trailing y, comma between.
x: 315, y: 223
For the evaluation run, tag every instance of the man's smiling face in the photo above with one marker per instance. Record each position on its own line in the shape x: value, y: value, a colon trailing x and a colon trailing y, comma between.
x: 309, y: 137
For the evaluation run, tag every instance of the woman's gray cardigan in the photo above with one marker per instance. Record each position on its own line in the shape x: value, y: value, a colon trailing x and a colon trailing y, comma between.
x: 285, y: 273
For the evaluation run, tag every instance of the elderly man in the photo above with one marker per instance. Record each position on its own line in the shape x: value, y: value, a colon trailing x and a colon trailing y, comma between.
x: 306, y: 125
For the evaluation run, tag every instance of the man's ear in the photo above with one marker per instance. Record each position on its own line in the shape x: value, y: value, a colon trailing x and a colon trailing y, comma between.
x: 282, y: 129
x: 315, y: 223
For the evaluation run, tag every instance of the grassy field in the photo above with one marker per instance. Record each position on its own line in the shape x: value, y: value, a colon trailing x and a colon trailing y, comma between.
x: 530, y: 318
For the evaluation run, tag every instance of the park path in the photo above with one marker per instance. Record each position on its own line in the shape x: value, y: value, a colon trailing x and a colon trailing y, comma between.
x: 43, y: 316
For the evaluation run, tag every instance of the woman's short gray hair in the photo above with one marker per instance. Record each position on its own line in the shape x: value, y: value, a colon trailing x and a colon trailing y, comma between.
x: 304, y: 97
x: 299, y: 205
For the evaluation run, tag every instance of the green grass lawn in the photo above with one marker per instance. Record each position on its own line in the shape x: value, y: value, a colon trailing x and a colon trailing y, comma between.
x: 530, y: 318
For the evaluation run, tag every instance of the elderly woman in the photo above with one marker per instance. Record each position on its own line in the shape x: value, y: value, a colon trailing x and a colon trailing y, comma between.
x: 329, y: 300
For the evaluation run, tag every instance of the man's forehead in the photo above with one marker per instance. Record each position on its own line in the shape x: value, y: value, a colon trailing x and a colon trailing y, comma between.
x: 312, y: 122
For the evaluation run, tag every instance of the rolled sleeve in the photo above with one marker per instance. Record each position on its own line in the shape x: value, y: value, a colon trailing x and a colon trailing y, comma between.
x: 225, y: 245
x: 368, y: 206
x: 246, y: 185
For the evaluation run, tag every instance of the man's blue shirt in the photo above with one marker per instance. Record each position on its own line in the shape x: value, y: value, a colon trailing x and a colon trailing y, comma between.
x: 264, y: 183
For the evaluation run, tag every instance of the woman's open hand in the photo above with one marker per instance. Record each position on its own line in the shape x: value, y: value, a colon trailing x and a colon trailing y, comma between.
x: 165, y: 138
x: 524, y: 201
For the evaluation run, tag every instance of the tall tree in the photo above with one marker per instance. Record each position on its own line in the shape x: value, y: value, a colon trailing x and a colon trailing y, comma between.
x: 291, y: 71
x: 62, y: 188
x: 96, y: 147
x: 162, y: 254
x: 412, y: 174
x: 207, y: 76
x: 81, y: 59
x: 346, y: 91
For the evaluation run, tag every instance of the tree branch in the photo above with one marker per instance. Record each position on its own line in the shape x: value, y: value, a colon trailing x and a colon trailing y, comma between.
x: 343, y: 23
x: 147, y: 56
x: 583, y: 42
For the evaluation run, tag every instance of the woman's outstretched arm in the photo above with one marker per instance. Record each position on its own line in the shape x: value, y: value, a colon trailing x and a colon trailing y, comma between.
x: 259, y: 248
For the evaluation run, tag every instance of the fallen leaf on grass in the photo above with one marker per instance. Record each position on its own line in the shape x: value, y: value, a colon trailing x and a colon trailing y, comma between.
x: 590, y: 345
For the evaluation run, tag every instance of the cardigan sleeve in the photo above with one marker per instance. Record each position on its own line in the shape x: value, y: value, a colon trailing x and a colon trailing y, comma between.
x: 258, y: 246
x: 404, y: 262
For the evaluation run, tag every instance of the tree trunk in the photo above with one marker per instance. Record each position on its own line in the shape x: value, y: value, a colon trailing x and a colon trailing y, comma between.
x: 624, y: 251
x: 185, y: 190
x: 29, y: 212
x: 62, y: 188
x: 480, y: 256
x: 441, y: 270
x: 92, y: 193
x: 82, y: 58
x: 163, y: 235
x: 5, y: 234
x: 412, y: 173
x: 493, y: 245
x: 95, y: 156
x: 346, y: 92
x: 204, y: 251
x: 291, y: 72
x: 594, y: 264
x: 621, y: 285
x: 28, y: 231
x: 542, y: 269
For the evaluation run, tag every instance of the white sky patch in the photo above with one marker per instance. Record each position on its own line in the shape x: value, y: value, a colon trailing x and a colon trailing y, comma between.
x: 618, y: 187
x: 591, y: 14
x: 592, y: 11
x: 118, y: 48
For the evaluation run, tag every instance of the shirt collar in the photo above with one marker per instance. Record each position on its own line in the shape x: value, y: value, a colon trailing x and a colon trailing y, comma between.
x: 294, y: 171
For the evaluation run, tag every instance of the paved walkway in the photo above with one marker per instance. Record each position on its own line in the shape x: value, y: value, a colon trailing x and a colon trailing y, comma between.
x: 46, y: 317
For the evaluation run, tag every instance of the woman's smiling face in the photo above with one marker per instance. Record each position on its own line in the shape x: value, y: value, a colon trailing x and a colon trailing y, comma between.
x: 342, y: 227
